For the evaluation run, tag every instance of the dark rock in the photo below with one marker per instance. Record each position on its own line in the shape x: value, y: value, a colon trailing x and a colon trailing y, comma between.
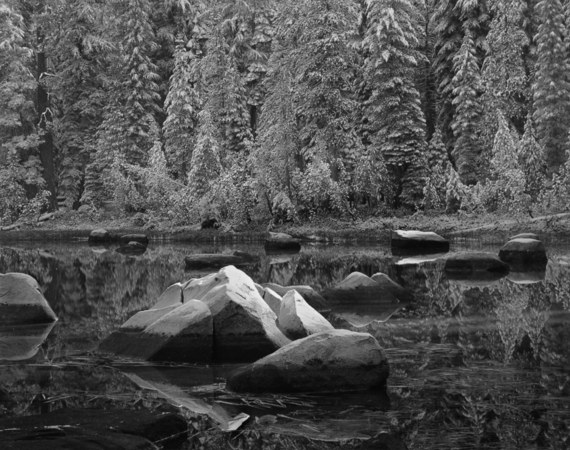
x: 217, y: 260
x: 525, y: 236
x: 523, y: 252
x: 132, y: 248
x: 101, y: 236
x: 86, y: 429
x: 175, y: 333
x: 328, y: 361
x: 128, y: 238
x: 360, y: 300
x: 311, y: 296
x: 410, y: 242
x: 281, y: 243
x: 475, y: 263
x: 528, y: 277
x: 21, y: 301
x: 297, y: 319
x: 210, y: 224
x: 21, y: 342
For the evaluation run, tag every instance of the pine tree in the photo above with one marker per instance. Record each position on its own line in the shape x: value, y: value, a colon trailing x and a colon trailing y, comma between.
x: 551, y: 86
x: 466, y: 90
x: 532, y: 161
x: 438, y: 167
x: 205, y: 166
x: 504, y: 78
x: 393, y: 111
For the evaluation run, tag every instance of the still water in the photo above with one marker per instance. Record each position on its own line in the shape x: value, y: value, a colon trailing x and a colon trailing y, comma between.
x: 474, y: 363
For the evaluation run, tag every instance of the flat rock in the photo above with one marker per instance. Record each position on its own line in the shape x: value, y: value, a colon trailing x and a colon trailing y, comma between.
x: 522, y: 252
x: 297, y: 319
x: 281, y: 243
x: 22, y: 302
x: 176, y: 333
x: 328, y: 361
x: 311, y: 296
x: 477, y: 263
x: 409, y: 242
x: 525, y: 236
x: 140, y: 238
x: 217, y: 260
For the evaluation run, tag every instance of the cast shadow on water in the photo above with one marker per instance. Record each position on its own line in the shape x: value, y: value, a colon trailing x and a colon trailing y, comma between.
x: 474, y: 363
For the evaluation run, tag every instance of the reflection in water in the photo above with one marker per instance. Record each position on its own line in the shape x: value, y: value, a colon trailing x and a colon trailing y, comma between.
x: 473, y: 364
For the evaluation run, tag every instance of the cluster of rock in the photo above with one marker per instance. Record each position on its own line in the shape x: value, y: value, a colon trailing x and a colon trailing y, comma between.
x: 129, y: 244
x: 523, y: 257
x: 226, y: 317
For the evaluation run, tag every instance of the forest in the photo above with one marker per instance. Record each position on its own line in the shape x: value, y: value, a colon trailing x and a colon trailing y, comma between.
x: 268, y: 110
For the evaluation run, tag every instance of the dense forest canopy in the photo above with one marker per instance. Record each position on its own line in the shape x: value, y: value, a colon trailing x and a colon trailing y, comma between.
x: 263, y: 109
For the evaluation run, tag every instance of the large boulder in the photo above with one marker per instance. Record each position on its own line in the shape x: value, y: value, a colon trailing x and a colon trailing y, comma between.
x: 201, y: 261
x: 476, y: 265
x: 360, y: 300
x: 311, y: 296
x: 21, y: 301
x: 407, y: 242
x: 281, y: 243
x: 523, y: 252
x: 174, y: 333
x: 327, y: 361
x: 273, y: 299
x: 297, y: 319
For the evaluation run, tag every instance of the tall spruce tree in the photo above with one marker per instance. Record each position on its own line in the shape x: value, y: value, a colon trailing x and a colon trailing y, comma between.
x: 466, y: 91
x: 393, y: 111
x: 551, y: 86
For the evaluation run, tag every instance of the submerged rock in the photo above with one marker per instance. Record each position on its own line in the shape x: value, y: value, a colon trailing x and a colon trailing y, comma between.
x: 327, y: 361
x: 281, y: 243
x: 128, y: 238
x: 478, y: 264
x: 522, y: 252
x: 360, y: 300
x: 311, y: 296
x: 408, y: 242
x: 217, y: 260
x: 21, y: 301
x: 297, y: 319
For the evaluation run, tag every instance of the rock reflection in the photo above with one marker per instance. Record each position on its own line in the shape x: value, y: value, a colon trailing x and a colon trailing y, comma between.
x: 22, y: 342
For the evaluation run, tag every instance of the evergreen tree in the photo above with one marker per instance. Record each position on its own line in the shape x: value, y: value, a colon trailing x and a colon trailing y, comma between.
x: 532, y: 161
x: 466, y: 90
x: 551, y: 86
x: 205, y: 166
x: 438, y: 167
x: 393, y: 111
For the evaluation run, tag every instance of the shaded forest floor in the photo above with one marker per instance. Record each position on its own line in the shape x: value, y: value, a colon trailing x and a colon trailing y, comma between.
x: 74, y: 223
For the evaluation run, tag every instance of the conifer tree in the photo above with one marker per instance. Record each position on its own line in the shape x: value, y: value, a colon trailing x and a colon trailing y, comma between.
x: 393, y: 110
x: 532, y: 161
x: 205, y: 166
x: 551, y: 86
x: 466, y: 90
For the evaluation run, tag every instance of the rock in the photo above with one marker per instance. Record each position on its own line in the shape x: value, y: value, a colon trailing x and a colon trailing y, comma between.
x: 387, y: 283
x: 260, y: 289
x: 244, y: 325
x: 359, y: 300
x: 477, y: 264
x: 528, y: 277
x: 407, y: 242
x: 525, y: 236
x: 281, y: 243
x: 180, y: 334
x: 21, y: 301
x: 210, y: 224
x: 100, y: 236
x: 524, y: 252
x: 328, y: 361
x: 297, y: 319
x: 140, y: 238
x: 217, y: 260
x: 46, y: 216
x: 273, y: 299
x: 93, y: 429
x: 22, y: 342
x: 311, y: 296
x: 172, y: 295
x: 132, y: 249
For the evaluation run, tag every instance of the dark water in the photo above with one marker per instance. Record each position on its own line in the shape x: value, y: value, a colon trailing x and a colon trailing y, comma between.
x: 474, y: 364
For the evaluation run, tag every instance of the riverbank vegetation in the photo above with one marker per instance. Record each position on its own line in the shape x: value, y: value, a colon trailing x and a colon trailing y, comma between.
x: 283, y: 111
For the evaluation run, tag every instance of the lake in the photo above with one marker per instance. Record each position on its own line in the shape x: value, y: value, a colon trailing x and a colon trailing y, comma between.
x: 474, y: 363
